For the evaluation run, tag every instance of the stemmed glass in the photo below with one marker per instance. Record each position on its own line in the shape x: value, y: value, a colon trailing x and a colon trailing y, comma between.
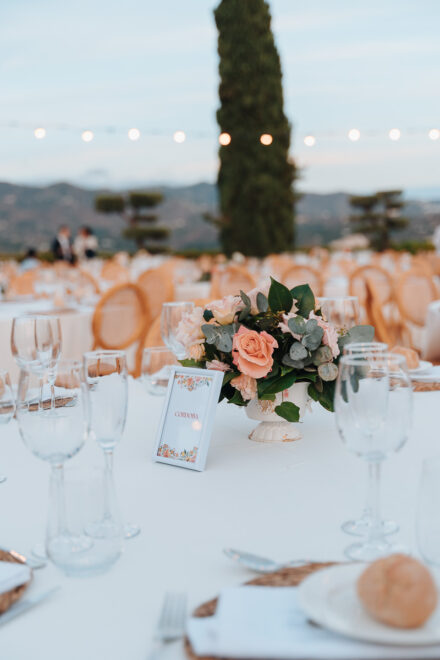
x: 172, y: 314
x: 428, y: 519
x: 373, y: 405
x: 54, y: 430
x: 360, y: 526
x: 341, y: 311
x: 7, y: 403
x: 106, y: 384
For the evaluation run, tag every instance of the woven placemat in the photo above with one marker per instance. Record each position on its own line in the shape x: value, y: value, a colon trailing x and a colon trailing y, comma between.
x: 287, y: 577
x: 425, y: 387
x: 10, y: 597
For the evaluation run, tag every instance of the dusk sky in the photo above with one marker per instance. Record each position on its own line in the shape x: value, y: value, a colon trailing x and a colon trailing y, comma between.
x: 75, y: 65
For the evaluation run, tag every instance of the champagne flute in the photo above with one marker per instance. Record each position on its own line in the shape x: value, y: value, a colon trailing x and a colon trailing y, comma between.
x: 172, y: 314
x: 7, y: 403
x: 373, y: 405
x: 106, y: 384
x: 341, y: 311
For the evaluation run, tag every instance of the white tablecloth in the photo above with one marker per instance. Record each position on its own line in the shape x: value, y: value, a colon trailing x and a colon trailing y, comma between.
x: 75, y: 329
x: 431, y: 339
x: 284, y: 501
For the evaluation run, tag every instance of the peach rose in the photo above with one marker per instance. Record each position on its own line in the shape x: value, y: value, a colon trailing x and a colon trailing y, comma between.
x: 196, y: 352
x: 189, y: 330
x: 246, y: 385
x: 252, y: 352
x: 330, y: 336
x: 225, y: 310
x: 218, y: 365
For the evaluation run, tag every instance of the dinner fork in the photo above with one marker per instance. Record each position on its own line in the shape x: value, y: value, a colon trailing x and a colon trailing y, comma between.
x: 171, y: 624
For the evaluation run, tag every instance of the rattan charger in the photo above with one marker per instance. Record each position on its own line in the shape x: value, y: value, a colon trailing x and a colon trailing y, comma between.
x: 287, y: 577
x: 10, y: 597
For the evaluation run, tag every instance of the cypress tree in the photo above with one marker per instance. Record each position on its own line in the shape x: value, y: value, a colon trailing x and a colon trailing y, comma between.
x: 255, y: 181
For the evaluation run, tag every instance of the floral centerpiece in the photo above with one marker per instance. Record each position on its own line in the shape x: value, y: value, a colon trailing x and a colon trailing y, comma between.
x: 267, y: 343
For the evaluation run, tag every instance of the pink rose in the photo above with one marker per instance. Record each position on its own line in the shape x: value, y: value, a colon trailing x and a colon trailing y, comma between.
x: 330, y: 336
x: 246, y: 385
x: 225, y: 310
x: 218, y: 365
x: 252, y: 352
x: 189, y: 330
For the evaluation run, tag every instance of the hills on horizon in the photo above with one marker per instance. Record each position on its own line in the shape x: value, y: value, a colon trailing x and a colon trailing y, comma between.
x: 30, y: 216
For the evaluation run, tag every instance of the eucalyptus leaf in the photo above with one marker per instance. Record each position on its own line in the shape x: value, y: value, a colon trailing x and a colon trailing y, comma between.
x: 298, y: 351
x: 288, y: 410
x: 328, y: 371
x: 321, y: 355
x: 224, y: 342
x: 280, y: 299
x: 297, y: 325
x: 208, y: 315
x: 360, y: 333
x: 312, y: 340
x: 210, y: 332
x: 296, y: 364
x: 262, y: 302
x: 247, y: 306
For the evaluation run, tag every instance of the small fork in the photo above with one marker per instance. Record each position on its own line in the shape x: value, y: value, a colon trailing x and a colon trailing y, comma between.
x: 171, y: 624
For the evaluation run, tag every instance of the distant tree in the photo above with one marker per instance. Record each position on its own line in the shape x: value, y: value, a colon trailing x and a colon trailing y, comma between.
x: 255, y: 181
x: 136, y: 209
x: 378, y: 215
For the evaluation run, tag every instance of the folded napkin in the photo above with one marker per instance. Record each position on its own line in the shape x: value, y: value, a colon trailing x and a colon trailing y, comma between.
x: 267, y: 622
x: 13, y: 575
x: 431, y: 375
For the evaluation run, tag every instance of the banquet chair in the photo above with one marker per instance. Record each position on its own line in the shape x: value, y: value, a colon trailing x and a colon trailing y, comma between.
x: 382, y: 280
x: 230, y: 281
x: 113, y: 271
x: 23, y: 284
x: 375, y: 317
x: 85, y: 280
x: 415, y: 290
x: 154, y: 336
x: 120, y: 321
x: 157, y: 288
x: 303, y: 274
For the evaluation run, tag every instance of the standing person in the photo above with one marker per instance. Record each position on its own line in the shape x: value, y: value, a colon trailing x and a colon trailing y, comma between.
x: 30, y: 261
x: 86, y: 244
x: 62, y: 245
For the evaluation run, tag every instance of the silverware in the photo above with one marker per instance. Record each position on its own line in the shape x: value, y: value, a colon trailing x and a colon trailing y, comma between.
x: 171, y: 624
x: 32, y: 562
x: 26, y: 604
x: 260, y: 564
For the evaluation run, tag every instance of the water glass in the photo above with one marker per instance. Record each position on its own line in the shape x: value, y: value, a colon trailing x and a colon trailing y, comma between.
x: 36, y: 342
x: 7, y: 403
x: 428, y: 518
x: 172, y: 315
x: 156, y: 367
x: 84, y: 503
x: 373, y: 405
x: 341, y: 311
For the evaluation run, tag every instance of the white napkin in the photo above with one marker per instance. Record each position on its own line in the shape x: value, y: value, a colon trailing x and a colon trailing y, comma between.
x: 267, y: 622
x: 13, y: 575
x: 431, y: 375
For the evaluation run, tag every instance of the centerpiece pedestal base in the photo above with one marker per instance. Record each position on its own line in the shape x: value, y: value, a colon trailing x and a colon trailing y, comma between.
x: 272, y: 428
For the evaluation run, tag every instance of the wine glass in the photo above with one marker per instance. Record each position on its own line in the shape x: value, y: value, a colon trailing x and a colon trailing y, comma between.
x: 341, y: 311
x: 7, y: 403
x: 373, y: 405
x: 428, y: 520
x: 106, y: 384
x: 172, y: 314
x: 156, y: 367
x: 52, y: 425
x: 360, y: 526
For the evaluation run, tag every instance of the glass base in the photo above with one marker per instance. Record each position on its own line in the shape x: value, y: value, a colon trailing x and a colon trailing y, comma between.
x: 2, y: 479
x: 362, y: 526
x: 69, y: 545
x: 374, y: 550
x: 104, y: 529
x: 39, y: 552
x: 131, y: 531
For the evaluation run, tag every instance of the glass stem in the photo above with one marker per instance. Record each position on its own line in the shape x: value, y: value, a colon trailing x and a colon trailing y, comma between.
x: 367, y: 513
x: 52, y: 378
x: 375, y: 530
x: 108, y: 456
x: 58, y: 480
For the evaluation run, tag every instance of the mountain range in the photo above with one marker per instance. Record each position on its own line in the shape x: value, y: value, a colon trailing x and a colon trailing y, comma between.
x: 30, y: 216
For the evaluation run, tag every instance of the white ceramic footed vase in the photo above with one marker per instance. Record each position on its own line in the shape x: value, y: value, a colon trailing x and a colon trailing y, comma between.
x: 273, y: 428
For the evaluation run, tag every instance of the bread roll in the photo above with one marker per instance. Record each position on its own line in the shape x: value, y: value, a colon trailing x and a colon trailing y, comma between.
x: 411, y: 356
x: 398, y: 591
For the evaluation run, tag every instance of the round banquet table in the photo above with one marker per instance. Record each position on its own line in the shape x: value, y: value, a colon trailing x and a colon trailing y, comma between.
x: 284, y: 501
x: 75, y: 329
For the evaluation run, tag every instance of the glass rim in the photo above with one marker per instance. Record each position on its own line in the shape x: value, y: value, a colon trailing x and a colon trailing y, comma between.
x: 324, y: 298
x: 360, y: 344
x: 105, y: 353
x: 354, y: 360
x: 30, y: 315
x: 161, y: 349
x: 178, y: 303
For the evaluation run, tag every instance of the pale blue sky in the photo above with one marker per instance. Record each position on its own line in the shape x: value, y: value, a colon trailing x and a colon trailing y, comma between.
x: 153, y: 65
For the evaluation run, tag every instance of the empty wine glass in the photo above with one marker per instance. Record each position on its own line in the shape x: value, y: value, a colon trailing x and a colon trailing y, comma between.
x: 341, y: 311
x: 373, y: 405
x: 360, y: 526
x: 7, y: 403
x: 172, y: 314
x: 106, y: 383
x: 156, y: 367
x: 428, y: 519
x: 53, y: 431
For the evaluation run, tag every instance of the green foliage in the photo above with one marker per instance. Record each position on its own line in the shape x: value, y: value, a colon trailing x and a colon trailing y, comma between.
x: 288, y: 410
x: 110, y: 203
x: 255, y: 181
x: 305, y: 300
x: 144, y: 200
x: 280, y: 299
x: 378, y: 216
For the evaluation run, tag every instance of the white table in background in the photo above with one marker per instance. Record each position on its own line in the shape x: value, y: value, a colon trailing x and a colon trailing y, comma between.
x: 283, y: 501
x: 76, y: 330
x: 192, y: 291
x: 431, y: 340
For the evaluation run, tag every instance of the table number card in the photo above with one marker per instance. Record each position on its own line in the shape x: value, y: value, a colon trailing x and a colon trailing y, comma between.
x: 188, y: 417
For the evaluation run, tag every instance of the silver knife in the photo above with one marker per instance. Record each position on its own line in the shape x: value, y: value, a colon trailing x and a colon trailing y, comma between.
x: 26, y: 604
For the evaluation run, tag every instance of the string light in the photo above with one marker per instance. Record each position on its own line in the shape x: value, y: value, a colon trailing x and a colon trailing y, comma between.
x: 266, y: 139
x: 224, y: 139
x: 310, y: 140
x: 179, y: 137
x: 87, y: 136
x: 134, y: 134
x: 40, y: 133
x: 434, y: 134
x: 354, y: 134
x: 394, y: 134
